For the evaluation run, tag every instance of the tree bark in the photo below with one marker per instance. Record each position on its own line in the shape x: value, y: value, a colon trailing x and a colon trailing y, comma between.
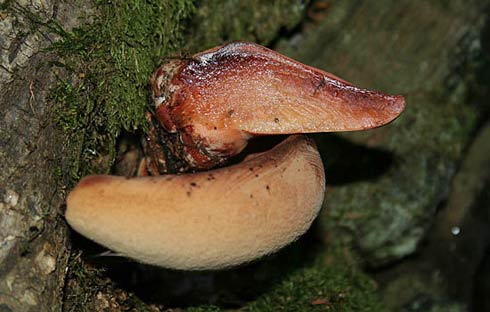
x: 33, y: 235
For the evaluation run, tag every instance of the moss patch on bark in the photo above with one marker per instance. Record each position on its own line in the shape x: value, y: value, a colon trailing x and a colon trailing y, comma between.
x: 110, y: 59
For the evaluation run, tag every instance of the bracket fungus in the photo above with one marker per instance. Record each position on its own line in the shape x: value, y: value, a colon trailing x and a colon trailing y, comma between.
x: 205, y: 220
x: 206, y: 108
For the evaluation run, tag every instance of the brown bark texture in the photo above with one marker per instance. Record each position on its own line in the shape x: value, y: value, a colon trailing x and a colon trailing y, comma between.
x: 33, y: 235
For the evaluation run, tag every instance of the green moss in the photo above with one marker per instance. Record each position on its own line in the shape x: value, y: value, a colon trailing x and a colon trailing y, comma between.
x: 321, y: 288
x: 217, y: 21
x: 306, y: 277
x: 110, y: 61
x: 331, y: 281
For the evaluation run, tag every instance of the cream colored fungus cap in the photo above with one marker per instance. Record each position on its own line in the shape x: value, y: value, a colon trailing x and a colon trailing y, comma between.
x: 205, y: 220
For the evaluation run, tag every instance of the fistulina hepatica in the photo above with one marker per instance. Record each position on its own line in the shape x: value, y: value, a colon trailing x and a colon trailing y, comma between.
x: 206, y: 109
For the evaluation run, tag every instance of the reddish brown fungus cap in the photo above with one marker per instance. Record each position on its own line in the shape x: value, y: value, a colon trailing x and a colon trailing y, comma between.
x: 219, y: 98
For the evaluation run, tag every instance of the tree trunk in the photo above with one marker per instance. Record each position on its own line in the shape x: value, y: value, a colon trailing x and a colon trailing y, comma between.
x: 33, y: 234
